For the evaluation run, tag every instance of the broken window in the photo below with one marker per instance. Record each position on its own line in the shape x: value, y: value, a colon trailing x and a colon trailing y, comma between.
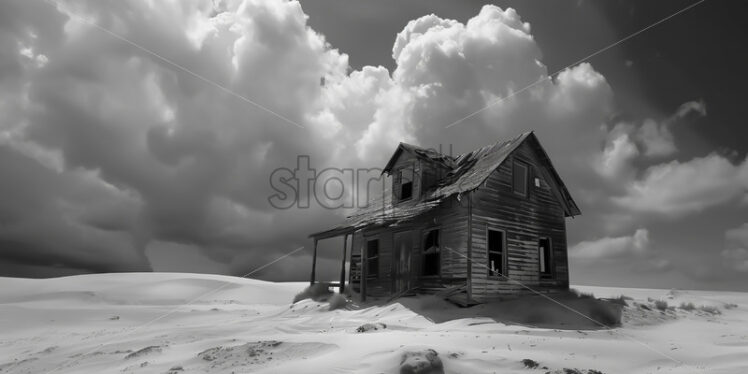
x: 431, y: 253
x: 496, y: 252
x: 545, y: 256
x: 406, y: 183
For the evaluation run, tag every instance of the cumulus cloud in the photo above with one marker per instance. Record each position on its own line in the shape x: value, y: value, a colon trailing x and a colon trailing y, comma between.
x: 736, y: 259
x: 689, y: 107
x: 616, y: 157
x: 455, y: 83
x: 124, y: 160
x: 657, y: 138
x: 627, y: 142
x: 180, y: 160
x: 677, y: 188
x: 735, y: 256
x: 636, y: 244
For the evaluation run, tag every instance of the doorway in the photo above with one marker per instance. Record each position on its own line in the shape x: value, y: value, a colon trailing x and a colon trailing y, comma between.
x: 403, y: 248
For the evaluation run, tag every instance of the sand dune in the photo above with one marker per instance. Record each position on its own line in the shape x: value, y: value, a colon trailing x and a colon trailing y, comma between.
x: 193, y: 323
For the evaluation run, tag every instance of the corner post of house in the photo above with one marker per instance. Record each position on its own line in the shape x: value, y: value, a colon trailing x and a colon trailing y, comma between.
x: 469, y: 284
x: 566, y: 258
x: 342, y: 265
x: 314, y: 263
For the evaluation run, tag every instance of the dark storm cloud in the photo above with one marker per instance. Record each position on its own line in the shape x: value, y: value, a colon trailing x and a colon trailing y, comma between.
x: 43, y: 223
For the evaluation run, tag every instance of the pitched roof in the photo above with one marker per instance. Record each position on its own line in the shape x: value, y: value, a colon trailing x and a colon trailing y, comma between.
x: 467, y: 172
x: 473, y: 168
x: 428, y: 154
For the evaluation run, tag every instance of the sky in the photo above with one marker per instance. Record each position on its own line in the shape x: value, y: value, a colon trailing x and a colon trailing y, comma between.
x: 146, y: 136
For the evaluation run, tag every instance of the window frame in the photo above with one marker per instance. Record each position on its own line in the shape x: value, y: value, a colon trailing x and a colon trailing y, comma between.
x: 517, y: 163
x: 369, y: 273
x: 504, y: 253
x: 399, y: 179
x: 424, y: 235
x: 550, y: 264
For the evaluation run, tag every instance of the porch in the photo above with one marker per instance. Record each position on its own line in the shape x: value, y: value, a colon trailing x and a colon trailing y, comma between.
x: 377, y: 215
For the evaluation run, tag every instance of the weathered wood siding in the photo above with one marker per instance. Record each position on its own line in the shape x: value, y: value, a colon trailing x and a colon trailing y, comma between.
x: 450, y: 219
x: 524, y: 219
x: 378, y: 284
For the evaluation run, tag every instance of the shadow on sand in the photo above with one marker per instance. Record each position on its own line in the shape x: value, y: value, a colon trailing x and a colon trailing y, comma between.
x: 565, y: 310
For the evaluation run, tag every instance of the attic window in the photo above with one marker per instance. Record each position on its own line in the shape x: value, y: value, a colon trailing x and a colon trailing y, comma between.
x: 406, y: 184
x: 519, y: 178
x: 431, y: 252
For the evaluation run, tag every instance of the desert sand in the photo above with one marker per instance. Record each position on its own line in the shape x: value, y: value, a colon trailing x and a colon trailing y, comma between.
x: 195, y: 323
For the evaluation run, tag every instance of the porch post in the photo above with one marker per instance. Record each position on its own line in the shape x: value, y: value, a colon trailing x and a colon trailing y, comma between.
x: 342, y: 265
x: 314, y: 263
x: 364, y: 270
x: 469, y: 284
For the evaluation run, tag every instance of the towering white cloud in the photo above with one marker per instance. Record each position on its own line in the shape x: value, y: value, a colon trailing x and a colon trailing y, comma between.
x: 176, y: 147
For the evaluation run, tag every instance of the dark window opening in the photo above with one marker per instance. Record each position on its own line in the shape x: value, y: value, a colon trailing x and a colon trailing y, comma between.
x: 407, y: 191
x: 406, y: 183
x: 519, y: 178
x: 431, y: 253
x: 496, y: 253
x: 372, y: 258
x: 544, y: 253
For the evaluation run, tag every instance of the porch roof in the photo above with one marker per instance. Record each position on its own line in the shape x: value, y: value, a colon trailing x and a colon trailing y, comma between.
x: 378, y: 214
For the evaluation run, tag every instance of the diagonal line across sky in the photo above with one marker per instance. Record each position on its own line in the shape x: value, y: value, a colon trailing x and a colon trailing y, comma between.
x: 174, y: 64
x: 583, y: 59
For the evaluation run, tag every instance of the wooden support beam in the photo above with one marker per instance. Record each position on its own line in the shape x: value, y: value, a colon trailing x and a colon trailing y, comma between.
x: 314, y: 264
x: 469, y: 247
x: 342, y: 265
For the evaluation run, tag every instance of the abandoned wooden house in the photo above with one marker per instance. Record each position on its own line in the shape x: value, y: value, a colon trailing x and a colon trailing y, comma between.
x: 482, y: 225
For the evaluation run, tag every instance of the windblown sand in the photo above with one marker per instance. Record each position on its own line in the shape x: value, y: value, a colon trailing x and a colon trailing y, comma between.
x: 151, y: 323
